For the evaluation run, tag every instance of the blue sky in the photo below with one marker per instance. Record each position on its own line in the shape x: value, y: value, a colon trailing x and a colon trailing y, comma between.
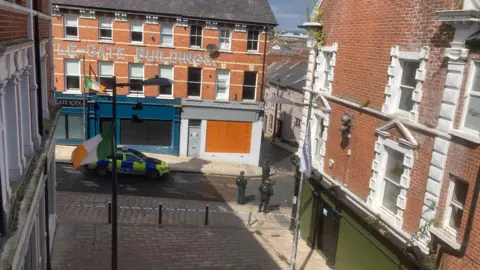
x: 290, y: 13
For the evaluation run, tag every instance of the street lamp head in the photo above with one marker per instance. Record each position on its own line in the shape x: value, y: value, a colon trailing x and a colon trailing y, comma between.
x: 160, y: 81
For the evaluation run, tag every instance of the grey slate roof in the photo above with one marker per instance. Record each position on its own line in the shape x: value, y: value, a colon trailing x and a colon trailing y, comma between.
x: 248, y: 11
x: 287, y: 75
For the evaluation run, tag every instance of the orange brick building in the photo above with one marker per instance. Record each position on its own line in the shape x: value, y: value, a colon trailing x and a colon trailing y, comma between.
x: 395, y: 130
x: 213, y: 110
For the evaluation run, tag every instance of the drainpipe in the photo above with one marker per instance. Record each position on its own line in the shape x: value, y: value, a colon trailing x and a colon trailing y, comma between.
x: 38, y: 76
x: 264, y: 60
x: 468, y: 227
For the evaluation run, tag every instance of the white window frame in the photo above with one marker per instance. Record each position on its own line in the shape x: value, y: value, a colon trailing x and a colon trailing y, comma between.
x: 162, y: 34
x: 393, y: 87
x: 377, y: 182
x: 190, y: 36
x: 227, y: 92
x: 201, y: 84
x: 468, y: 93
x: 65, y: 25
x: 173, y: 85
x: 272, y: 119
x: 258, y: 40
x: 73, y: 91
x: 229, y: 38
x: 318, y: 138
x: 100, y: 27
x: 143, y: 31
x: 325, y: 76
x: 108, y: 91
x: 449, y: 204
x: 136, y: 93
x: 256, y: 86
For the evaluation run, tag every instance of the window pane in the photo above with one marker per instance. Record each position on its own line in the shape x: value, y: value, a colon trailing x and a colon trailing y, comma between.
x: 394, y: 168
x: 455, y: 218
x: 250, y: 78
x: 71, y: 31
x: 132, y: 158
x: 406, y: 102
x: 166, y: 28
x: 136, y: 71
x: 408, y: 74
x: 318, y: 146
x: 390, y: 196
x: 107, y: 82
x: 137, y: 87
x: 166, y: 90
x: 60, y: 131
x: 105, y: 68
x: 194, y: 89
x: 137, y: 36
x: 166, y: 72
x: 460, y: 192
x: 224, y: 44
x: 106, y: 22
x: 248, y: 92
x: 136, y: 26
x: 472, y: 119
x: 72, y: 67
x: 75, y: 127
x: 194, y: 75
x: 73, y: 82
x: 167, y: 39
x: 71, y: 20
x: 106, y: 33
x: 476, y: 82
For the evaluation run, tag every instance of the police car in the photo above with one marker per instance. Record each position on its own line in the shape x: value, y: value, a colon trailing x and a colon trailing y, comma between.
x: 131, y: 161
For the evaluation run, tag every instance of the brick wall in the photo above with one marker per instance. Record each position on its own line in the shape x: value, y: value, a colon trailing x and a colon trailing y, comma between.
x: 13, y: 25
x: 237, y: 62
x: 365, y: 33
x: 44, y: 26
x: 44, y: 6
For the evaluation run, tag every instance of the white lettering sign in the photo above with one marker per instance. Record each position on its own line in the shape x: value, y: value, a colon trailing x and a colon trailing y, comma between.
x: 141, y: 54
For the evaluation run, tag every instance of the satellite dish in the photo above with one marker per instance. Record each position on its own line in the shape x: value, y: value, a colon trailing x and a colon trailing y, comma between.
x: 212, y: 48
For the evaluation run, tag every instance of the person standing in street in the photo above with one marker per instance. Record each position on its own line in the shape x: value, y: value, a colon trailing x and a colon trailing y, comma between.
x: 241, y: 186
x: 266, y: 191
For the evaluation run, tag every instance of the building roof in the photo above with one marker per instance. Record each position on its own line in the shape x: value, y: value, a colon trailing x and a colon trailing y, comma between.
x: 249, y: 11
x: 287, y: 75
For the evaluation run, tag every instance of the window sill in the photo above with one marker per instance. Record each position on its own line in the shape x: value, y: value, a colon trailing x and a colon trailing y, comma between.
x: 137, y: 44
x: 222, y: 100
x: 166, y: 46
x: 249, y: 102
x: 165, y: 97
x: 465, y: 135
x: 253, y: 53
x: 106, y: 41
x: 194, y: 98
x: 71, y: 39
x: 135, y: 95
x: 225, y: 51
x: 195, y: 49
x: 72, y: 92
x: 445, y: 237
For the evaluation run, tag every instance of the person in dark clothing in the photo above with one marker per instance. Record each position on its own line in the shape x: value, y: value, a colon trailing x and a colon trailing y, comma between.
x: 266, y: 191
x: 241, y: 186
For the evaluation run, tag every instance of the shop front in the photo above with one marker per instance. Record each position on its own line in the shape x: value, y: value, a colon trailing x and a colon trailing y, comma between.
x: 221, y: 131
x: 152, y: 127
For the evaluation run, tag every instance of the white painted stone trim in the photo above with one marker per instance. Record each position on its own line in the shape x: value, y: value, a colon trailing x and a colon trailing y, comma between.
x: 121, y: 17
x: 240, y: 28
x: 376, y: 186
x: 151, y: 19
x: 211, y: 25
x: 392, y: 89
x: 87, y: 14
x: 182, y: 22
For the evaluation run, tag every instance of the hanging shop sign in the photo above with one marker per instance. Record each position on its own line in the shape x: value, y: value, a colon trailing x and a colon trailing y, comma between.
x: 70, y: 103
x: 141, y: 54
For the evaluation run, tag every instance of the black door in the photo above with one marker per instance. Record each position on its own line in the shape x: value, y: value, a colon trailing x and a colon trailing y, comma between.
x: 327, y: 230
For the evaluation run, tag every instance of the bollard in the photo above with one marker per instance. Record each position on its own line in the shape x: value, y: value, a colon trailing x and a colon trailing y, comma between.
x: 160, y: 214
x: 109, y: 213
x: 206, y: 215
x: 249, y: 217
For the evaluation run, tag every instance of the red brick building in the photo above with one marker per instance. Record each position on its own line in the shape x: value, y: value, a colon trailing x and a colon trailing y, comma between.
x: 216, y: 100
x: 395, y: 129
x: 27, y: 147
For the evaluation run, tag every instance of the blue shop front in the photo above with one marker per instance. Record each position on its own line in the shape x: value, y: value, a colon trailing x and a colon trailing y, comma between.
x: 152, y: 127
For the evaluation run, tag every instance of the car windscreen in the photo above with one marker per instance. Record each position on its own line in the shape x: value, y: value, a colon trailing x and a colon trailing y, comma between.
x: 137, y: 153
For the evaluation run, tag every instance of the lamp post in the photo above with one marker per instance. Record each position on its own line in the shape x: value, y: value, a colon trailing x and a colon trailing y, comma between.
x: 152, y: 81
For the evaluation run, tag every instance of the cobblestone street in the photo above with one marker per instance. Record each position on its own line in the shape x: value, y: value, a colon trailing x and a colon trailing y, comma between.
x: 83, y: 237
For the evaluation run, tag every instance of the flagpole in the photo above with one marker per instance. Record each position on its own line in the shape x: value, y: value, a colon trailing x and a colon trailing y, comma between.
x: 114, y: 177
x: 300, y: 187
x: 84, y: 104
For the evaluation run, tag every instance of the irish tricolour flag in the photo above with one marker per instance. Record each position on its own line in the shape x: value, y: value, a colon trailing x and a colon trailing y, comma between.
x: 94, y: 85
x: 93, y: 150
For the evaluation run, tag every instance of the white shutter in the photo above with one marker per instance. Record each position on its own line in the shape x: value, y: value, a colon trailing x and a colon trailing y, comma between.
x: 136, y: 26
x: 72, y: 67
x: 106, y: 69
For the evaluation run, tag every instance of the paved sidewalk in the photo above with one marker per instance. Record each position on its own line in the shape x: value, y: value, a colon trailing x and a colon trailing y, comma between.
x: 63, y: 154
x: 82, y: 240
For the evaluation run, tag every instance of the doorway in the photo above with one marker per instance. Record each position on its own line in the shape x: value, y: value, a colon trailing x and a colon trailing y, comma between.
x: 194, y: 131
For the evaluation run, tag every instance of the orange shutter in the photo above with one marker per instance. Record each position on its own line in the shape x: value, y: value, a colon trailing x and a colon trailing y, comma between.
x: 228, y: 137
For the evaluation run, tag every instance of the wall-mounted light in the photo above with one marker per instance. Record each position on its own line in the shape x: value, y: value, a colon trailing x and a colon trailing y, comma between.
x: 346, y: 123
